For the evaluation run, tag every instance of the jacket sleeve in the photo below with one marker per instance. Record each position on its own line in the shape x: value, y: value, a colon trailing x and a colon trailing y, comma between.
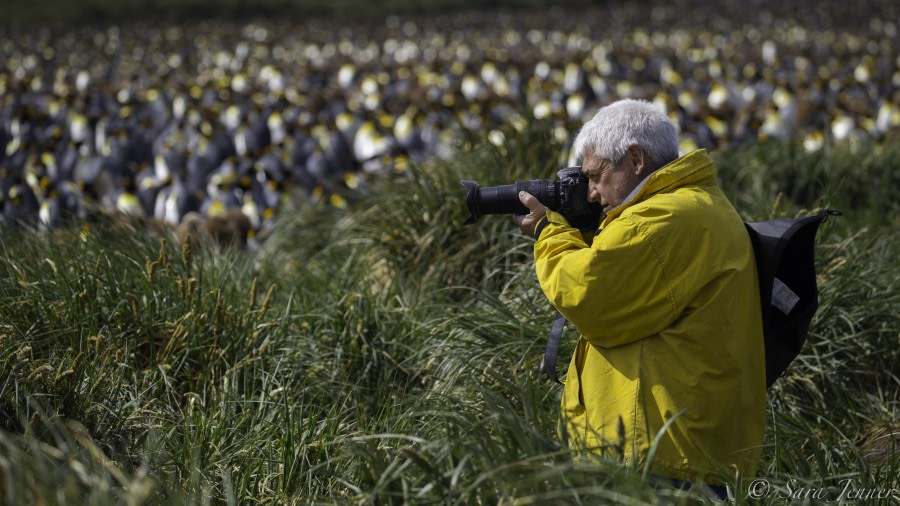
x: 614, y: 291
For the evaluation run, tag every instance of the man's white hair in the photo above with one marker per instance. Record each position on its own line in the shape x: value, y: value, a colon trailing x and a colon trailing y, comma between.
x: 621, y: 124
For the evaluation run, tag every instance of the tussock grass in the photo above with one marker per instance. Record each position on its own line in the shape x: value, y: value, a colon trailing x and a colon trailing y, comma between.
x: 389, y: 354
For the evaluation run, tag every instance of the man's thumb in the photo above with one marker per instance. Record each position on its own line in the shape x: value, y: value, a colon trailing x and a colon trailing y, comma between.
x: 528, y: 200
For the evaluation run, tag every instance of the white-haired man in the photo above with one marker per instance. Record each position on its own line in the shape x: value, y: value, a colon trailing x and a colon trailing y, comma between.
x: 666, y: 300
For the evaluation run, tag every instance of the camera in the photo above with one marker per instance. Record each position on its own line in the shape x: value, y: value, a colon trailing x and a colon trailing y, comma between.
x: 568, y: 196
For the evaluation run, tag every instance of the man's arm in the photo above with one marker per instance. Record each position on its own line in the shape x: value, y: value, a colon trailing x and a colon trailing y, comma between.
x: 615, y: 291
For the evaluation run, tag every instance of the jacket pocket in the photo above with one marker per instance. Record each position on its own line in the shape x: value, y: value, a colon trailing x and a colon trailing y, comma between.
x: 578, y: 362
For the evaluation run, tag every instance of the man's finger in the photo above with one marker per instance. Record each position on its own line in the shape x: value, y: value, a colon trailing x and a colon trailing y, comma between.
x: 530, y: 201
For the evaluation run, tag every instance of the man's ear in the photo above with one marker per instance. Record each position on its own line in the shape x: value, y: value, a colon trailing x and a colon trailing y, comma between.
x: 637, y: 160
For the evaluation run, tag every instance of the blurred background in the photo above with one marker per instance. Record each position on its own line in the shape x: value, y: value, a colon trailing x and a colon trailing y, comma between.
x: 163, y: 109
x: 93, y: 11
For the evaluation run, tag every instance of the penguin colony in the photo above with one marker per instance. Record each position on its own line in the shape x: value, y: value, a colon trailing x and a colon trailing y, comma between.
x: 185, y: 122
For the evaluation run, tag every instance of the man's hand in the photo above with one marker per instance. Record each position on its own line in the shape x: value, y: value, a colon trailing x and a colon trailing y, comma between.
x: 530, y: 220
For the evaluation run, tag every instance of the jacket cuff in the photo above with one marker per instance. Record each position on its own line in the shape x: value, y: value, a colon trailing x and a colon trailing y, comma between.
x: 541, y: 225
x: 551, y: 217
x: 556, y: 218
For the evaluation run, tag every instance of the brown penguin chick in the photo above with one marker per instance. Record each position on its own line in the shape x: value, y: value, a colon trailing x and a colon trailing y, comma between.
x: 190, y: 228
x: 229, y: 229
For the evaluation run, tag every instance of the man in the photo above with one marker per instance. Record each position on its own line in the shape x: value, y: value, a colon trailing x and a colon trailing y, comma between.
x: 666, y: 300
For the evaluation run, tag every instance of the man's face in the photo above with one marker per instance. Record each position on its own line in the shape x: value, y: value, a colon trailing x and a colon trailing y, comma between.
x: 609, y: 184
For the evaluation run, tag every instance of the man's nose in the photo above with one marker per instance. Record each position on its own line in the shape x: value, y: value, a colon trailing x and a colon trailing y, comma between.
x: 593, y: 194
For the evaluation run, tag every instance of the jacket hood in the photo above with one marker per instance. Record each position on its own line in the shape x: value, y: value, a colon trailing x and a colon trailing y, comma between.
x: 694, y: 168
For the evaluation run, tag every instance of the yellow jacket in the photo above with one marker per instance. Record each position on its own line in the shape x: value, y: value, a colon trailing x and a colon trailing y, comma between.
x: 666, y: 300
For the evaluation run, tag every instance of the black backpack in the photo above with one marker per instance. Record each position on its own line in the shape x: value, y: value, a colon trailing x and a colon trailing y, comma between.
x: 789, y: 296
x: 788, y: 292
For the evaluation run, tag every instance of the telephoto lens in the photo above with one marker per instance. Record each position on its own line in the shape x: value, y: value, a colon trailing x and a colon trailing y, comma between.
x: 567, y: 196
x: 504, y: 199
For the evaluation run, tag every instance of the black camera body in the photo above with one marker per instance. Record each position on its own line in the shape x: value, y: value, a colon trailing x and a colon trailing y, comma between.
x: 568, y: 196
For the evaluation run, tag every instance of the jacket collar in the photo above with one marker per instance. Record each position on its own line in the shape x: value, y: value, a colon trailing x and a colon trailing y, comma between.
x: 694, y: 168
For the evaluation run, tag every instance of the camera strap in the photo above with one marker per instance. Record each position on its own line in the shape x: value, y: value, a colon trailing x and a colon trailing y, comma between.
x: 549, y: 363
